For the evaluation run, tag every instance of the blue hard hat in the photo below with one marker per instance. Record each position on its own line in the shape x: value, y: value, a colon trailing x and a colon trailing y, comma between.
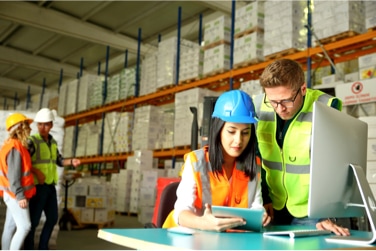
x: 235, y: 106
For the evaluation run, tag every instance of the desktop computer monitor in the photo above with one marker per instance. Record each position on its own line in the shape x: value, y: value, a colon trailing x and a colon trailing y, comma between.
x: 338, y: 184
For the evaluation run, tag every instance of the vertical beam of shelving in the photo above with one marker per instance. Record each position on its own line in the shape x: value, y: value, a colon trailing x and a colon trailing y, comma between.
x: 200, y: 30
x: 104, y: 91
x: 28, y: 98
x: 99, y: 68
x: 76, y: 129
x: 309, y: 43
x: 233, y: 7
x: 75, y: 137
x: 15, y: 100
x: 42, y: 94
x: 137, y: 87
x: 126, y: 59
x: 81, y: 66
x: 178, y: 48
x: 104, y: 95
x: 125, y: 67
x: 60, y: 80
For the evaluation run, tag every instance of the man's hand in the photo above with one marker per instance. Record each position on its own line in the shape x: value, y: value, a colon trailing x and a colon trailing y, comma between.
x: 40, y: 177
x: 329, y: 225
x: 22, y: 203
x: 75, y: 162
x: 269, y: 210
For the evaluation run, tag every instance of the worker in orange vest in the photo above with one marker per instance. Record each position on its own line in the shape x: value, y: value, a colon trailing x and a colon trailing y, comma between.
x: 16, y: 181
x: 225, y: 172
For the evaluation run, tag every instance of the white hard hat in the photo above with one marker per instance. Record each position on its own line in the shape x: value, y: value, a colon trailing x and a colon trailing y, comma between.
x: 44, y: 115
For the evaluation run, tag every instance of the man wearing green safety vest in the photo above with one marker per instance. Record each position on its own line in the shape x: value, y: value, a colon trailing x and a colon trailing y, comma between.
x: 44, y: 156
x: 284, y: 136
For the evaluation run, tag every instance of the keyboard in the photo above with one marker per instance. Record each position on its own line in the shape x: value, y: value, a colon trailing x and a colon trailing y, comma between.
x: 298, y: 233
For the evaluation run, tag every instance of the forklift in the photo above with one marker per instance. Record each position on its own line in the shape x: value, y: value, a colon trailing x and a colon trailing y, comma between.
x: 208, y: 107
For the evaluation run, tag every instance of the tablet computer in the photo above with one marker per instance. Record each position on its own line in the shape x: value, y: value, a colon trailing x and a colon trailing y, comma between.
x: 253, y: 217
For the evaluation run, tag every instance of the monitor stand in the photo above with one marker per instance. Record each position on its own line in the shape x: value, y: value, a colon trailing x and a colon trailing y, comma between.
x: 370, y: 208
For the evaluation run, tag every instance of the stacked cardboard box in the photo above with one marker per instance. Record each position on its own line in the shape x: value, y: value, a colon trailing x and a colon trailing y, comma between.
x: 148, y: 80
x: 370, y: 16
x: 91, y: 201
x: 167, y: 60
x: 249, y: 33
x: 284, y: 22
x: 217, y: 39
x: 332, y: 18
x: 86, y: 81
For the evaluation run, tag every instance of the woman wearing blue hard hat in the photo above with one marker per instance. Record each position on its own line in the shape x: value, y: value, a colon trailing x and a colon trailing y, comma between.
x: 223, y: 173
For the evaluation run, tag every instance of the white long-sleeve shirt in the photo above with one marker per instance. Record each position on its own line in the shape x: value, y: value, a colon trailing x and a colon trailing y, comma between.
x: 186, y: 192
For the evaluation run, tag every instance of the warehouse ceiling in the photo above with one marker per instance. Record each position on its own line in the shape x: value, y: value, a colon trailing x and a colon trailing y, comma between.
x: 45, y: 42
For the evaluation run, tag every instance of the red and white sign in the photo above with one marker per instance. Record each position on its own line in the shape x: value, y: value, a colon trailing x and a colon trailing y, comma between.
x: 362, y: 91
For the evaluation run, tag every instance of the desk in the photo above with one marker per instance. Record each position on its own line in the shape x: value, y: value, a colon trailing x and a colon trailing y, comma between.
x: 158, y: 238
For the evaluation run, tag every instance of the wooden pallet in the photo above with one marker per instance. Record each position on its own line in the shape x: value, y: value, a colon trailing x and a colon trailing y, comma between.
x: 248, y: 31
x: 215, y: 44
x: 187, y: 81
x: 126, y: 213
x: 216, y: 72
x: 247, y: 63
x: 130, y: 97
x: 371, y: 29
x: 163, y: 150
x: 338, y: 37
x: 186, y: 147
x: 281, y: 54
x: 165, y: 87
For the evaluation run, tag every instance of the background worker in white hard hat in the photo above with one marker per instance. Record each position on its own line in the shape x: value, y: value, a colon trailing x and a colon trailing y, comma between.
x: 16, y: 181
x: 45, y: 156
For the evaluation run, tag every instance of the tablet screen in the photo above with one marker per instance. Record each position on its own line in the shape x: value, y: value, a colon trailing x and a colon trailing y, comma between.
x: 253, y: 217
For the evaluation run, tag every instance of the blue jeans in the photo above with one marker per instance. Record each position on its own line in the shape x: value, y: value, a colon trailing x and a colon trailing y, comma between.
x: 17, y: 224
x: 305, y: 221
x: 45, y: 201
x: 283, y: 217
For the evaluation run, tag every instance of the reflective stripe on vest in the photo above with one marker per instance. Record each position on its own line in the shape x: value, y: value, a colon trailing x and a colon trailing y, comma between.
x: 27, y: 181
x: 44, y: 159
x: 288, y: 169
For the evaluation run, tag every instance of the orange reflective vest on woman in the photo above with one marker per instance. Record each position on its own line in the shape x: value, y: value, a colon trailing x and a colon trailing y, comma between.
x: 27, y: 180
x: 217, y: 190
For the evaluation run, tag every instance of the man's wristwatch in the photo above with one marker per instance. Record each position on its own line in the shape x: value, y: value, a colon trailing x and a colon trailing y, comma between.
x: 333, y: 220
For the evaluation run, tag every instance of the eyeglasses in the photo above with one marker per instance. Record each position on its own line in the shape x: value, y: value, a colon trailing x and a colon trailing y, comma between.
x: 287, y: 103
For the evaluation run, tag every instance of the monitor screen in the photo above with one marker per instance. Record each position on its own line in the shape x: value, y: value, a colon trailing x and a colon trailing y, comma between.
x: 337, y: 141
x: 338, y: 185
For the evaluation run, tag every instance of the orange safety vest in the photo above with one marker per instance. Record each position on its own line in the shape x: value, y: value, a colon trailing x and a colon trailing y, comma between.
x: 216, y: 190
x: 27, y: 180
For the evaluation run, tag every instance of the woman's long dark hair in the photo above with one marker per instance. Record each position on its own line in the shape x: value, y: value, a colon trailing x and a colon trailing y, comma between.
x: 246, y: 159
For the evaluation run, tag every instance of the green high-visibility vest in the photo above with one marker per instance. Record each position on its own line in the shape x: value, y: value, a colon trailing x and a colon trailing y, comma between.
x: 44, y: 159
x: 288, y: 169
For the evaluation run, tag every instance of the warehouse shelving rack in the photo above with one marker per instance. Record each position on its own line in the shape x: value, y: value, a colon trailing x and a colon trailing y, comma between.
x: 340, y: 51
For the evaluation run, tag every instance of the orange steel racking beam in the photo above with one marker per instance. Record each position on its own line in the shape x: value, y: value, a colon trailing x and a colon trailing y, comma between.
x: 342, y: 50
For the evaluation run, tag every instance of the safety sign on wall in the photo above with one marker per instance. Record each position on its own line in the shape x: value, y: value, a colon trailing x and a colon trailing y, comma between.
x: 362, y: 91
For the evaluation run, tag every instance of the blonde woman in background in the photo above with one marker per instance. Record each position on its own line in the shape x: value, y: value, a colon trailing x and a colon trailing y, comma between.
x: 16, y: 181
